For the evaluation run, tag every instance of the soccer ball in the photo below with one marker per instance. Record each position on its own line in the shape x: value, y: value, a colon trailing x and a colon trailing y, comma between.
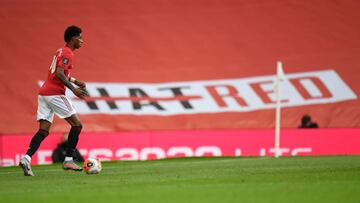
x: 92, y: 166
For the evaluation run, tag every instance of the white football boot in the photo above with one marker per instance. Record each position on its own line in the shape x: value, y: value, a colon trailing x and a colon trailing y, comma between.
x: 26, y: 167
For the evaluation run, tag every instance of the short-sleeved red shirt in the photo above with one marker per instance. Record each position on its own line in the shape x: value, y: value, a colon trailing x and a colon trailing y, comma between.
x: 53, y: 86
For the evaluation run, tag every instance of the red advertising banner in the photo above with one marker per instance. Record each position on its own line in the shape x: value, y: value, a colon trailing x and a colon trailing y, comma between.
x: 172, y: 144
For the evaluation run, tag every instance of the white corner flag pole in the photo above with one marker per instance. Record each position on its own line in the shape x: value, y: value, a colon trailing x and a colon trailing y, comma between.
x: 280, y: 76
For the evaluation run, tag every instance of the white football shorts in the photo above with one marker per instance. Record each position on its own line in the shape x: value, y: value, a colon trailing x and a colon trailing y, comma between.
x: 58, y: 104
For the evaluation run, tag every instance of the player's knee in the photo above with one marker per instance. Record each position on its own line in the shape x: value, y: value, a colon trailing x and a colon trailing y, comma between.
x: 80, y: 125
x: 44, y: 125
x: 76, y: 123
x: 77, y: 126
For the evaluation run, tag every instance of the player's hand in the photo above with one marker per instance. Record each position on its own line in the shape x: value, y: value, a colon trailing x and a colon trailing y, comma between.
x: 81, y: 84
x: 82, y: 93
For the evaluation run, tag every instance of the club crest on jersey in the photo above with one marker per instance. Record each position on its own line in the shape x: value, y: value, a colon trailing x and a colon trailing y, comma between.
x: 65, y: 61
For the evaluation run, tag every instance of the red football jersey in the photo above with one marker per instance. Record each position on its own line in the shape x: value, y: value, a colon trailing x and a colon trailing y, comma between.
x: 53, y: 86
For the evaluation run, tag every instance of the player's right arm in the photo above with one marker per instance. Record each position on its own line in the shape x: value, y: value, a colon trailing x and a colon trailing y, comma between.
x: 62, y: 78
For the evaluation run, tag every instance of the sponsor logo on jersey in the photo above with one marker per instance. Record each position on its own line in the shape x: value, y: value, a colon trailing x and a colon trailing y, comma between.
x: 65, y: 61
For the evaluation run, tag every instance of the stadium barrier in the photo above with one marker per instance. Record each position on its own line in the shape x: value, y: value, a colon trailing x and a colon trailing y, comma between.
x: 172, y: 144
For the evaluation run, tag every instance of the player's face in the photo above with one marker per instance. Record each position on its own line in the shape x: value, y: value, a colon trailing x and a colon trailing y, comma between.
x: 78, y: 41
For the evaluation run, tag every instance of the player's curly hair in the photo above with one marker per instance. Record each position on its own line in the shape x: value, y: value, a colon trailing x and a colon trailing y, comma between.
x: 71, y: 31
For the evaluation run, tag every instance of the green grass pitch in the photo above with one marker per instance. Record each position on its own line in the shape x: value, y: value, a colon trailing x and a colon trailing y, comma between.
x: 199, y: 180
